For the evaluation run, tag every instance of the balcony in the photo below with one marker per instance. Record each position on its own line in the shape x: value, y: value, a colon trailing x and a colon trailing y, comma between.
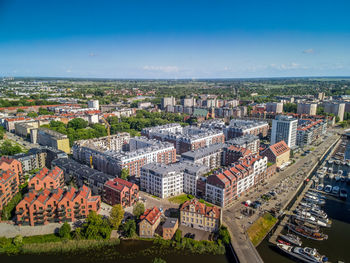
x: 76, y: 206
x: 40, y: 211
x: 19, y: 212
x: 49, y: 209
x: 39, y: 217
x: 61, y: 209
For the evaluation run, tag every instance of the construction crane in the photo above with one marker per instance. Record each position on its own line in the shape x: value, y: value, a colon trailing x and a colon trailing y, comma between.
x: 108, y: 127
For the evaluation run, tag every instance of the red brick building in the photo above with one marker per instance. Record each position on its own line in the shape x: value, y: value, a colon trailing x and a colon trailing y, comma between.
x: 277, y: 153
x: 13, y: 165
x: 233, y: 154
x: 43, y: 207
x: 9, y: 183
x: 119, y: 191
x: 46, y: 179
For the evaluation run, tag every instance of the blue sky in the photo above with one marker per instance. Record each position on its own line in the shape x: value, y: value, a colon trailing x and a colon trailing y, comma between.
x: 174, y: 38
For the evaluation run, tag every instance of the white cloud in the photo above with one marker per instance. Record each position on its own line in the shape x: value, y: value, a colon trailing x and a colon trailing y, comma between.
x: 309, y: 51
x: 289, y: 66
x: 166, y: 69
x: 92, y: 54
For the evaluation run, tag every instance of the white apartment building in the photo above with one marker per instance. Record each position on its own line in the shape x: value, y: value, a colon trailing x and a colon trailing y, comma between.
x: 284, y: 128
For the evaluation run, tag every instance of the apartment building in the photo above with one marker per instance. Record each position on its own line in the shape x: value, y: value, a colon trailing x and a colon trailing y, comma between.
x: 162, y: 180
x: 47, y: 137
x: 213, y: 124
x: 141, y: 151
x: 32, y: 160
x: 336, y: 108
x: 210, y: 156
x: 169, y: 180
x: 169, y: 228
x: 168, y: 101
x: 307, y: 108
x: 233, y: 153
x: 275, y: 107
x: 82, y: 174
x: 248, y: 141
x: 225, y: 185
x: 47, y: 179
x: 310, y: 130
x: 238, y: 128
x: 185, y: 139
x: 149, y: 222
x: 284, y: 128
x: 9, y: 183
x: 7, y: 163
x: 277, y: 153
x: 58, y: 205
x: 119, y: 191
x: 23, y: 128
x: 197, y: 215
x: 188, y: 102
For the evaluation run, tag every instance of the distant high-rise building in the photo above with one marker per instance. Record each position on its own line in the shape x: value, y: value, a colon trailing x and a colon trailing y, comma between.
x: 94, y: 104
x: 307, y: 108
x: 188, y: 102
x: 335, y: 108
x: 275, y: 107
x: 321, y: 95
x: 168, y: 101
x: 284, y: 128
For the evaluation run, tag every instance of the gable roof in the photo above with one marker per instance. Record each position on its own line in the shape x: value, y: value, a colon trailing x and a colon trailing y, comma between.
x: 201, y: 208
x: 151, y: 215
x: 279, y: 148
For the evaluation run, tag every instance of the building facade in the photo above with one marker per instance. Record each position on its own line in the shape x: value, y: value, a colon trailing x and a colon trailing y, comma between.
x: 43, y: 207
x: 47, y: 179
x: 284, y: 128
x: 277, y: 153
x: 307, y: 108
x: 197, y: 215
x: 9, y: 183
x: 149, y: 222
x: 119, y: 191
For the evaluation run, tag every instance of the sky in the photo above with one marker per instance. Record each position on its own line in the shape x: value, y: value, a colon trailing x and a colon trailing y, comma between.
x: 174, y: 38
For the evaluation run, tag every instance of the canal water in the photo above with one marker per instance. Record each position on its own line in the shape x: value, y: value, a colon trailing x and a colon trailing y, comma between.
x: 336, y: 247
x: 125, y: 252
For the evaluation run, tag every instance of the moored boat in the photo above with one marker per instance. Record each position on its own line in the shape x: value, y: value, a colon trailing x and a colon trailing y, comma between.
x: 308, y: 255
x: 292, y: 239
x: 307, y: 234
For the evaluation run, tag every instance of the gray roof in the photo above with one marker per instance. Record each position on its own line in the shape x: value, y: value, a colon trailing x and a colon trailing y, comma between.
x: 170, y: 222
x: 248, y: 138
x: 202, y: 152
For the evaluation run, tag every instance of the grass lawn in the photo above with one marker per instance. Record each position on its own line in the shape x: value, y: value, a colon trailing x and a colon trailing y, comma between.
x: 260, y: 228
x: 180, y: 199
x: 41, y: 239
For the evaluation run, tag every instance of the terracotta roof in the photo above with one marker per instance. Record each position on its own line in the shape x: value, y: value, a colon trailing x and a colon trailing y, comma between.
x: 151, y: 215
x: 119, y: 184
x: 201, y: 208
x: 279, y: 148
x: 6, y: 175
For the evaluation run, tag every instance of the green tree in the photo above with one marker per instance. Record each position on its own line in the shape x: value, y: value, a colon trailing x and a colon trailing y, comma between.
x: 7, y: 148
x: 139, y: 209
x: 32, y: 114
x: 78, y: 123
x: 178, y: 235
x: 64, y: 231
x: 124, y: 174
x: 116, y: 215
x: 224, y: 235
x: 129, y: 228
x: 96, y: 227
x: 337, y: 119
x: 158, y: 260
x: 17, y: 240
x: 19, y: 110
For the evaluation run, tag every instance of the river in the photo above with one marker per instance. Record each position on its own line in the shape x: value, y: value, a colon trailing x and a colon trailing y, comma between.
x: 126, y: 252
x: 337, y: 246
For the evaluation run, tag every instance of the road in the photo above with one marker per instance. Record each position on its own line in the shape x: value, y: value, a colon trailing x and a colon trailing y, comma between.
x: 21, y: 141
x: 286, y: 183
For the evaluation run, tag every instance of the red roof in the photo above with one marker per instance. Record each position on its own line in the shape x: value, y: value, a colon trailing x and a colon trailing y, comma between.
x: 151, y: 215
x: 201, y: 208
x: 279, y: 148
x: 119, y: 184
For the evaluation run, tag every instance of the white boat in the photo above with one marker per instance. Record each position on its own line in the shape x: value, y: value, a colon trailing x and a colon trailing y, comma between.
x: 314, y: 220
x: 340, y: 172
x: 330, y: 169
x: 320, y: 187
x: 328, y: 188
x: 331, y: 176
x: 308, y: 205
x: 335, y: 190
x: 337, y: 178
x: 308, y: 255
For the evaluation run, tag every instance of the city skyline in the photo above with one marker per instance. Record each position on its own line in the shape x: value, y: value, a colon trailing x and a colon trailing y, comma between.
x: 186, y: 39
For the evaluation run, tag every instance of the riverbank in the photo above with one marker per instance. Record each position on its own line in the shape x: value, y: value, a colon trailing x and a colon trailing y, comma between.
x: 260, y: 228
